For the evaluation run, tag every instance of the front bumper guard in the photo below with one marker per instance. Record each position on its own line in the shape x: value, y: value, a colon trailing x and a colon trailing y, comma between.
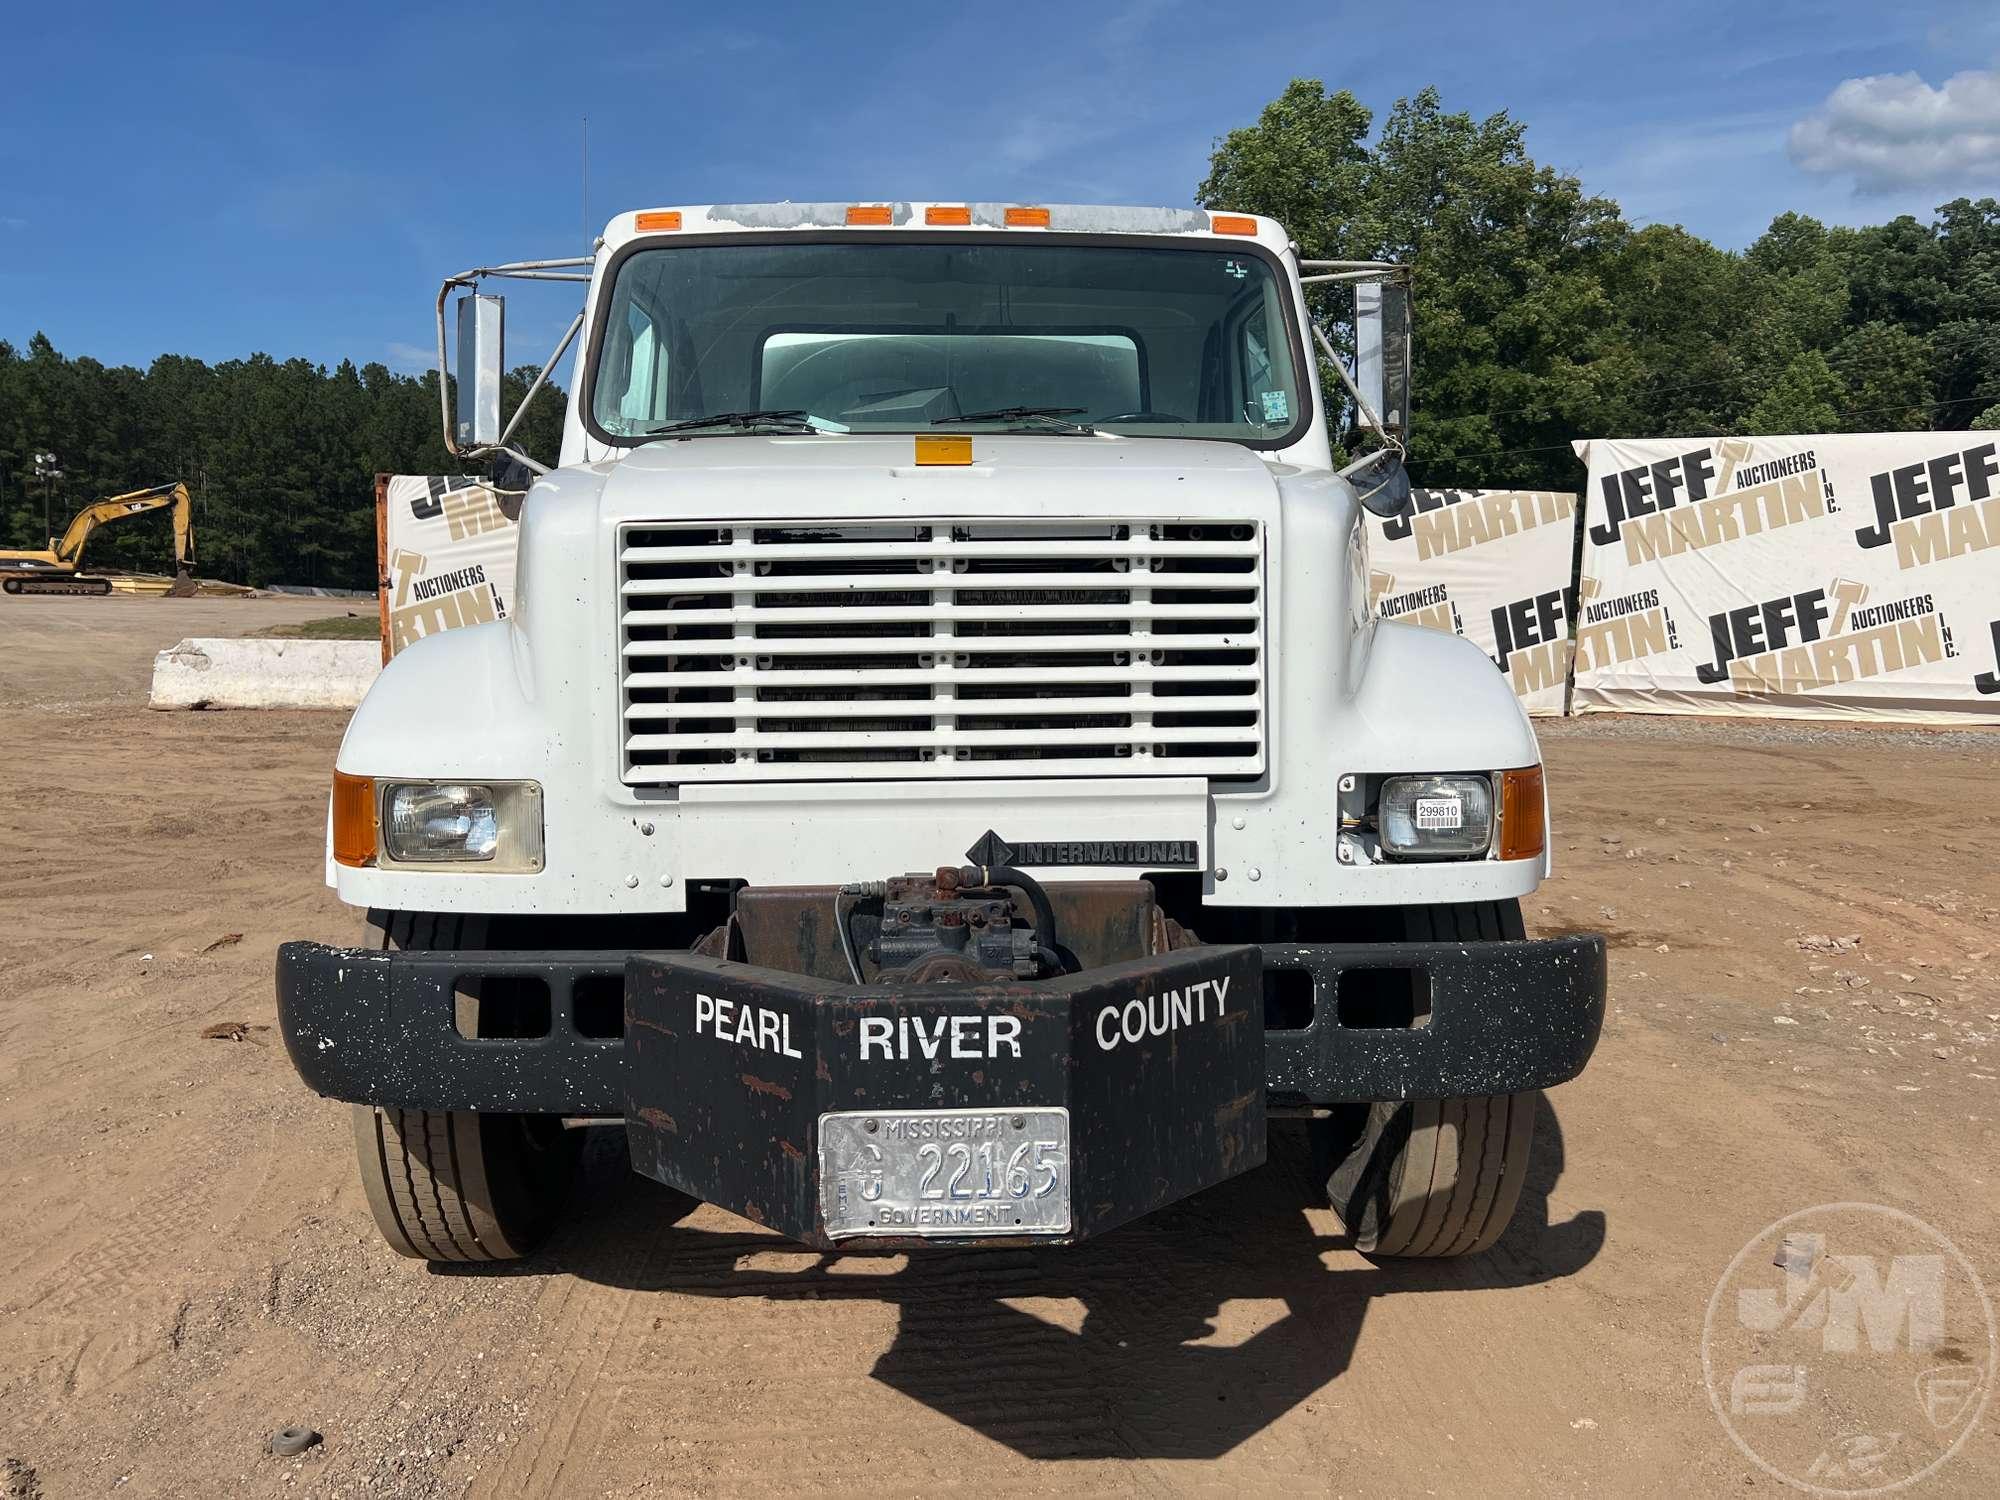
x: 731, y: 1070
x: 1164, y: 1065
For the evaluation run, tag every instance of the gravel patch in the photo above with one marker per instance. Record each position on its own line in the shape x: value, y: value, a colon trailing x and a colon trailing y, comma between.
x: 1691, y: 728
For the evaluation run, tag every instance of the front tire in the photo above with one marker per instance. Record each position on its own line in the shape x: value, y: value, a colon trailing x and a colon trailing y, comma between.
x: 454, y: 1185
x: 458, y: 1186
x: 1435, y: 1177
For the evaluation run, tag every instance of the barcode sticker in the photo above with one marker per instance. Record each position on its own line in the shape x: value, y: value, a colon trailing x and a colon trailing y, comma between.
x: 1440, y: 812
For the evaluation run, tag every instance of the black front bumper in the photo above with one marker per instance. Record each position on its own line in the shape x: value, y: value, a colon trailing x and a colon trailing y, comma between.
x: 1487, y: 1018
x: 737, y: 1083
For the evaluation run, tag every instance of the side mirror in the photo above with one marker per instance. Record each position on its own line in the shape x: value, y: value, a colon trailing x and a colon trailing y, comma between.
x: 1382, y: 352
x: 481, y: 357
x: 1381, y: 483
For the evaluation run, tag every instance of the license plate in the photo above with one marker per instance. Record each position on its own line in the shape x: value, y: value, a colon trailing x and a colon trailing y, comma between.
x: 944, y: 1172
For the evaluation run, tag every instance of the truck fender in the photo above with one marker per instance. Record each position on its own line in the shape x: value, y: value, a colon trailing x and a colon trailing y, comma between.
x: 458, y: 703
x: 1435, y: 702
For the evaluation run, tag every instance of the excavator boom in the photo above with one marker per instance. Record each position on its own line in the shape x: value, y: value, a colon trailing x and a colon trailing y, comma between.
x: 54, y: 570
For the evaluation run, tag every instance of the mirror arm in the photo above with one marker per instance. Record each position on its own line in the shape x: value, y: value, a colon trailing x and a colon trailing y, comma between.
x: 518, y: 456
x: 520, y: 270
x: 444, y: 384
x: 548, y: 364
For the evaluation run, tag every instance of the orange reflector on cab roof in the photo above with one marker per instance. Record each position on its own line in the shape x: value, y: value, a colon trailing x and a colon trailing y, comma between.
x: 944, y: 450
x: 353, y: 820
x: 1232, y: 224
x: 948, y: 214
x: 1521, y: 813
x: 869, y: 213
x: 649, y: 223
x: 1028, y: 218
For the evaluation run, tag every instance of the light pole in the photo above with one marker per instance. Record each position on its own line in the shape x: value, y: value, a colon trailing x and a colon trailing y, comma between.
x: 48, y: 472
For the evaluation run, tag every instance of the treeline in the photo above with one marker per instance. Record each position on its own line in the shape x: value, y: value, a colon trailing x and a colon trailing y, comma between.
x: 281, y: 458
x: 1542, y: 316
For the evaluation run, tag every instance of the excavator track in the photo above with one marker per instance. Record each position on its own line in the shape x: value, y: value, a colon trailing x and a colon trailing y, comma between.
x: 68, y: 584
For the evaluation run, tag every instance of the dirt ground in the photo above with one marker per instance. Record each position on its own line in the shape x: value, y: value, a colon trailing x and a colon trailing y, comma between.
x: 186, y: 1262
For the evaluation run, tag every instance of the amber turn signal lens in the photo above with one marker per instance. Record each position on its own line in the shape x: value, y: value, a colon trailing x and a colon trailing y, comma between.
x: 948, y: 451
x: 870, y: 213
x: 1232, y: 224
x: 353, y: 820
x: 948, y: 213
x: 1521, y: 813
x: 650, y: 223
x: 1028, y: 218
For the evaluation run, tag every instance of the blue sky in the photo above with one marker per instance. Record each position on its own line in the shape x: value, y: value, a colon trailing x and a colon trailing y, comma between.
x: 297, y: 179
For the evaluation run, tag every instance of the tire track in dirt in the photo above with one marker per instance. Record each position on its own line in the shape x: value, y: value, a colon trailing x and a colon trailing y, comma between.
x: 141, y: 1267
x: 580, y: 1325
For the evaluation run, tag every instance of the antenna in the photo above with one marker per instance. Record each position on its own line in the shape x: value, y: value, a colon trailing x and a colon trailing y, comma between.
x: 586, y: 182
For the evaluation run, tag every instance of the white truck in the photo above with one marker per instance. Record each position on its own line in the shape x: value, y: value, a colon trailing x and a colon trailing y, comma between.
x: 1001, y: 543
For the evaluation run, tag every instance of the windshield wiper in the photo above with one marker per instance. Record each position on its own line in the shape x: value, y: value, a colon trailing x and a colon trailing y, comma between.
x: 792, y: 419
x: 1058, y: 416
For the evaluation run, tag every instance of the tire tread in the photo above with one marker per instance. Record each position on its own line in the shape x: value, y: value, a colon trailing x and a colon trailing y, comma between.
x: 1439, y: 1177
x: 429, y: 1175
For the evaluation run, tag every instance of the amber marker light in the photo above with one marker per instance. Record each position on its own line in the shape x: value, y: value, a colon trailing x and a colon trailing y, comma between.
x: 869, y: 213
x: 353, y: 820
x: 653, y: 223
x: 1521, y: 834
x: 948, y: 213
x: 944, y: 450
x: 1027, y: 218
x: 1232, y: 224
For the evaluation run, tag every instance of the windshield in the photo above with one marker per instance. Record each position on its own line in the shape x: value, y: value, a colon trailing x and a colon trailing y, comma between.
x: 887, y: 336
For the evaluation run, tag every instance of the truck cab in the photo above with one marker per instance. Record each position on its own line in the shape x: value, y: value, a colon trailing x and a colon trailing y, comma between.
x: 941, y: 780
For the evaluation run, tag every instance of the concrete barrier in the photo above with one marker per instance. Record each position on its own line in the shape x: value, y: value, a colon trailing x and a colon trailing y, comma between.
x: 219, y: 673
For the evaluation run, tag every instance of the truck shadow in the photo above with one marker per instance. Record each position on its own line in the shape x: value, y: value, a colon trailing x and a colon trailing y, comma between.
x: 1136, y: 1345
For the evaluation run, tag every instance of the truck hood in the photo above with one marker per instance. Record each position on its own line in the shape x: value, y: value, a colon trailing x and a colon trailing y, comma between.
x: 876, y: 475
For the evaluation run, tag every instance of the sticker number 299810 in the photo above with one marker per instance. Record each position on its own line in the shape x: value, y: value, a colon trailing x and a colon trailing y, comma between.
x: 1440, y: 813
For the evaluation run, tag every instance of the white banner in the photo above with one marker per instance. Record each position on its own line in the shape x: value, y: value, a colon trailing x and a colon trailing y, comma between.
x: 1852, y: 576
x: 447, y: 554
x: 1491, y: 565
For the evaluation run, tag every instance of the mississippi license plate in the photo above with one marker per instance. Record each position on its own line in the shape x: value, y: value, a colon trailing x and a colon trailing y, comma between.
x: 944, y: 1172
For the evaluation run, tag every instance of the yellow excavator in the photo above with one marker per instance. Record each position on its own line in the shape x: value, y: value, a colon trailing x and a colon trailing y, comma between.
x: 55, y: 571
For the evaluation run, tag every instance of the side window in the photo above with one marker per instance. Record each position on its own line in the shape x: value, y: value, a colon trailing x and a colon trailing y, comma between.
x: 646, y: 379
x: 1265, y: 399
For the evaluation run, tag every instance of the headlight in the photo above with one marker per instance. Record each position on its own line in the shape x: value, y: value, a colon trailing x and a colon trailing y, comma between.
x: 495, y: 824
x: 1435, y: 817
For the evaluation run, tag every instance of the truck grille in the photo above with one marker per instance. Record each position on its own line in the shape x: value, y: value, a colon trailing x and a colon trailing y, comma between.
x: 801, y: 651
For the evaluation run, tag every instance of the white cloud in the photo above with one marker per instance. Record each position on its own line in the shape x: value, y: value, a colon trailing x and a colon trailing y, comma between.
x: 409, y: 357
x: 1893, y: 130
